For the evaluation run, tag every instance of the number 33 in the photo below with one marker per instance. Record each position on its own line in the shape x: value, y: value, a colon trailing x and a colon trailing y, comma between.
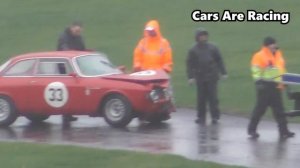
x: 56, y: 94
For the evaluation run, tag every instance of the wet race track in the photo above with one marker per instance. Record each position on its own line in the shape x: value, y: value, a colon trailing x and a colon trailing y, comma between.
x: 226, y: 142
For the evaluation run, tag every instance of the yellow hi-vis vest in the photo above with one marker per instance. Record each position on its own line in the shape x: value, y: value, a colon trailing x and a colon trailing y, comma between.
x: 267, y: 66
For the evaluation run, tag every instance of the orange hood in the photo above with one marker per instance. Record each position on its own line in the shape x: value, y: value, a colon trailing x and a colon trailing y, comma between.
x: 153, y: 52
x: 155, y: 25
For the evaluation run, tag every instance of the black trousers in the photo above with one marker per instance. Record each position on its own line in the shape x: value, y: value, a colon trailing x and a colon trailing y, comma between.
x: 268, y: 95
x: 207, y: 94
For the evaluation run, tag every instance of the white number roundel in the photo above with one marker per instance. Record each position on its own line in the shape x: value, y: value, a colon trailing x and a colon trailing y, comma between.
x: 144, y: 73
x: 56, y: 94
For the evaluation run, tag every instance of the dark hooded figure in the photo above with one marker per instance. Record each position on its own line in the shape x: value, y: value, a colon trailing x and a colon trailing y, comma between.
x: 204, y: 67
x: 71, y: 38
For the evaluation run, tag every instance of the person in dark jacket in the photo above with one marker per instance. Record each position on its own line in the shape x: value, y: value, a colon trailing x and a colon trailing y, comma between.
x: 71, y: 39
x: 204, y: 67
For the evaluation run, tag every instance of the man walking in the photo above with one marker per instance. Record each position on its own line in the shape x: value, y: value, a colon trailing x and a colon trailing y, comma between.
x: 267, y: 66
x: 204, y: 66
x: 71, y: 39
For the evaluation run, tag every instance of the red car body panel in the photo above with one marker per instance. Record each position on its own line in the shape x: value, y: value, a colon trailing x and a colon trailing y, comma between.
x: 85, y: 94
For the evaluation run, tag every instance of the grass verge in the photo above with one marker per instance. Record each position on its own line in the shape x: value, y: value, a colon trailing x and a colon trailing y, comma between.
x: 26, y: 155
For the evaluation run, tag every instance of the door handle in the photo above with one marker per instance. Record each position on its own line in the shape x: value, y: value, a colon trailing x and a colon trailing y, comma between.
x: 32, y: 82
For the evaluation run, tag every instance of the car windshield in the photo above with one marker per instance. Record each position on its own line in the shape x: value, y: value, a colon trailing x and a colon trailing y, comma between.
x: 95, y: 65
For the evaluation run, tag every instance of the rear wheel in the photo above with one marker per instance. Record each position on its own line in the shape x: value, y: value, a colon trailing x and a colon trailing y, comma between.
x: 8, y: 113
x: 37, y: 118
x: 117, y: 110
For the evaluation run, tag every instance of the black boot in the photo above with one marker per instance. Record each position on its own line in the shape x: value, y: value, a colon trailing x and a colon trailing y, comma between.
x: 252, y: 130
x: 284, y: 131
x: 200, y: 121
x: 287, y: 134
x: 69, y: 118
x: 215, y: 121
x: 253, y: 134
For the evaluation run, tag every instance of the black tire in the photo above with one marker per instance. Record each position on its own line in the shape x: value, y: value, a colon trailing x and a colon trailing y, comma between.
x: 158, y: 118
x: 117, y: 110
x: 37, y: 118
x: 8, y: 112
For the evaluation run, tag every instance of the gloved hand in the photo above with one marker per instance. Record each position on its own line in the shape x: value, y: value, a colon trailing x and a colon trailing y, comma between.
x: 191, y: 81
x: 281, y: 86
x: 167, y: 71
x: 137, y: 69
x: 225, y: 76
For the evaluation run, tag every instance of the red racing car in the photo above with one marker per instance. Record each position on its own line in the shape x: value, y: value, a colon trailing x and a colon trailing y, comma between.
x: 38, y: 85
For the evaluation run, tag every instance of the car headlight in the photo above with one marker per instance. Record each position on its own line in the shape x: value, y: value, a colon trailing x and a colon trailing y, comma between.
x: 168, y: 93
x: 154, y: 95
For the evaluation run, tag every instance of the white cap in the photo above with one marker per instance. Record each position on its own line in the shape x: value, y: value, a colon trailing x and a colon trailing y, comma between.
x: 149, y: 28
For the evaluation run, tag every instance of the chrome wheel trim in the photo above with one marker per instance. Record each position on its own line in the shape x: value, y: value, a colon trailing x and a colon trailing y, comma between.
x: 5, y: 109
x: 115, y: 110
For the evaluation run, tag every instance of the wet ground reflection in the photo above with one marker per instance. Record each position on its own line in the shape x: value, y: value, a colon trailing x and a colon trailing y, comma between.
x: 208, y: 139
x: 225, y: 142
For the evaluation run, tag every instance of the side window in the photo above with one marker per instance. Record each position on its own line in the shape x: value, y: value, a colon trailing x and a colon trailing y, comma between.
x: 21, y: 68
x: 54, y: 66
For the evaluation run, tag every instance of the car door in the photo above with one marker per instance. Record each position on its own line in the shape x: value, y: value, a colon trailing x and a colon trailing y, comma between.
x: 54, y: 90
x: 16, y: 80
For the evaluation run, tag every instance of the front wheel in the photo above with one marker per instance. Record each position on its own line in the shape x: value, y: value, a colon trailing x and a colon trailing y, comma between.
x: 37, y: 118
x: 117, y: 110
x: 8, y: 112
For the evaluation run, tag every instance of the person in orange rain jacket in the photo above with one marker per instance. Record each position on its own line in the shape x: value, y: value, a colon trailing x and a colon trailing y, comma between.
x: 153, y: 51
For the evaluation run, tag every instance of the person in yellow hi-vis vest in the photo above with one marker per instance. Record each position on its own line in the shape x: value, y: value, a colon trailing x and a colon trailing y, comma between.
x: 267, y: 66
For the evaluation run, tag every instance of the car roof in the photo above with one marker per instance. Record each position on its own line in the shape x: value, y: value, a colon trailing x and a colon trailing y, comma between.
x: 65, y: 54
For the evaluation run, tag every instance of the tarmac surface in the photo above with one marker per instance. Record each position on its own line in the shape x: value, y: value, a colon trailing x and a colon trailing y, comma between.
x: 226, y: 142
